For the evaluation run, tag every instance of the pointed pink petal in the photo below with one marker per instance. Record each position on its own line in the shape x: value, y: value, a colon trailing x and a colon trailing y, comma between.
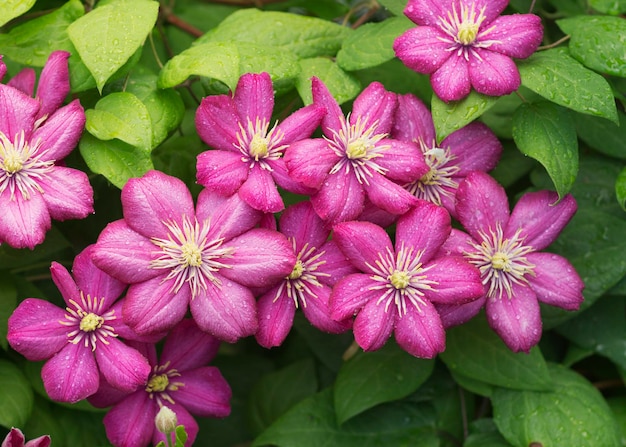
x: 3, y: 68
x: 122, y: 366
x: 23, y: 223
x: 283, y: 179
x: 373, y: 325
x: 475, y: 148
x: 131, y: 422
x: 413, y: 121
x: 60, y: 133
x: 515, y: 35
x: 68, y: 194
x: 388, y: 195
x: 41, y: 441
x: 229, y: 216
x: 65, y: 283
x: 126, y: 333
x: 34, y: 329
x: 363, y: 243
x: 341, y: 198
x: 187, y: 346
x: 317, y: 311
x: 403, y: 161
x: 350, y: 294
x: 457, y: 243
x: 260, y: 192
x: 555, y: 281
x: 185, y: 419
x: 228, y: 312
x: 451, y: 81
x: 54, y: 83
x: 217, y: 122
x: 428, y: 12
x: 375, y: 107
x: 221, y: 171
x: 206, y: 393
x: 457, y: 281
x: 300, y: 223
x: 494, y: 75
x: 516, y: 320
x: 154, y: 199
x: 276, y: 313
x: 425, y: 227
x: 420, y: 332
x: 301, y: 124
x: 422, y: 50
x: 17, y: 112
x: 371, y: 213
x: 493, y: 8
x: 456, y: 314
x: 481, y: 204
x: 310, y: 161
x: 151, y: 306
x: 72, y: 374
x: 261, y: 258
x: 93, y: 281
x: 254, y: 97
x: 336, y: 265
x: 124, y: 254
x: 24, y: 81
x: 15, y: 438
x: 540, y: 218
x: 333, y: 119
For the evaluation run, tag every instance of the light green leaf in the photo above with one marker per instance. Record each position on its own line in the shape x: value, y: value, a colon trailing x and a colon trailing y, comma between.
x: 561, y: 79
x: 342, y: 85
x: 574, y: 414
x: 612, y: 7
x: 114, y: 159
x: 8, y: 303
x: 395, y: 6
x: 476, y: 352
x: 371, y: 44
x: 603, y: 135
x: 618, y: 406
x: 123, y: 116
x: 453, y: 115
x: 620, y: 189
x: 14, y: 8
x: 17, y: 396
x: 371, y: 378
x: 109, y: 35
x: 282, y: 65
x: 546, y: 133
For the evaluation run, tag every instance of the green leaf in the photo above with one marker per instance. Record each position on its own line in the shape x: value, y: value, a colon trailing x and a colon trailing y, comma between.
x: 282, y: 65
x: 109, y: 35
x: 8, y: 303
x: 546, y: 133
x: 473, y: 385
x: 453, y: 115
x: 32, y: 42
x: 475, y: 351
x: 123, y: 116
x: 371, y: 378
x: 561, y: 79
x: 574, y: 414
x: 620, y: 189
x: 328, y: 348
x: 612, y: 7
x: 603, y: 135
x: 618, y: 406
x: 342, y: 85
x: 371, y: 44
x: 593, y: 42
x: 14, y: 8
x: 490, y: 439
x: 276, y: 392
x: 395, y: 6
x: 114, y: 159
x: 303, y: 36
x: 17, y: 396
x: 181, y: 436
x: 48, y: 250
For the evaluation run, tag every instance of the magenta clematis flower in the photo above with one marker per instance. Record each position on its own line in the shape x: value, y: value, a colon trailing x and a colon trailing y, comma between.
x: 15, y: 438
x: 506, y: 250
x: 180, y: 380
x: 176, y: 257
x: 356, y: 159
x: 466, y: 43
x: 319, y: 265
x: 80, y: 342
x: 471, y: 148
x: 397, y: 287
x: 35, y: 134
x: 247, y: 156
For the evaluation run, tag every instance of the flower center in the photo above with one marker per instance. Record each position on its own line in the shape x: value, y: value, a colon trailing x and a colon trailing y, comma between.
x: 257, y: 145
x: 500, y: 261
x: 12, y: 162
x: 467, y: 32
x: 88, y: 321
x: 297, y: 271
x: 91, y: 322
x: 357, y: 149
x: 162, y: 383
x: 399, y: 279
x: 157, y: 383
x: 438, y: 181
x: 191, y: 254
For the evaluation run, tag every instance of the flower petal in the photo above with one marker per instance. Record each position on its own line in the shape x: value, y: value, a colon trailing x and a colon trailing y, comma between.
x: 333, y: 119
x: 350, y: 294
x: 515, y: 35
x: 94, y: 281
x: 276, y: 312
x: 555, y: 281
x: 310, y: 161
x: 373, y: 326
x: 23, y: 223
x: 425, y: 227
x: 217, y: 122
x: 122, y: 366
x: 17, y: 112
x: 283, y: 179
x: 72, y: 374
x: 54, y: 83
x: 221, y: 171
x: 389, y: 196
x: 492, y: 8
x: 456, y: 314
x: 206, y: 393
x: 474, y: 147
x: 413, y: 121
x: 260, y: 192
x: 254, y: 97
x: 126, y: 333
x: 341, y: 198
x: 363, y: 243
x: 335, y: 264
x: 68, y: 194
x: 402, y: 161
x: 427, y: 12
x: 423, y: 49
x: 493, y: 74
x: 187, y: 346
x: 457, y: 281
x: 301, y: 124
x: 131, y: 422
x: 451, y: 81
x: 300, y: 223
x: 374, y: 108
x: 229, y: 216
x: 60, y: 133
x: 24, y: 81
x: 420, y: 332
x: 317, y: 311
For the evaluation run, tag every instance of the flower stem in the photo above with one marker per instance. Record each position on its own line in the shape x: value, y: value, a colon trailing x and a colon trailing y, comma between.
x: 554, y: 44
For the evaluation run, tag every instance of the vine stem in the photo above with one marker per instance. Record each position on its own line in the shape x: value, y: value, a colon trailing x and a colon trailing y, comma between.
x: 554, y: 44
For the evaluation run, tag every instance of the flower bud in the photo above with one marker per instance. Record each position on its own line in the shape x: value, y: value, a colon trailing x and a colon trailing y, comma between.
x: 166, y: 420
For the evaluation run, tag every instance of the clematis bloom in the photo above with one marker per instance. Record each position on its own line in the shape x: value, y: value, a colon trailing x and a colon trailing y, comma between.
x: 35, y: 134
x: 247, y: 156
x: 15, y: 438
x: 506, y: 249
x: 176, y: 256
x: 466, y: 43
x: 79, y: 343
x: 398, y: 286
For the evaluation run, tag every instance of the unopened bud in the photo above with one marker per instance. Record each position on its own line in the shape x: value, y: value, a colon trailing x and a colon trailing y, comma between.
x: 166, y: 420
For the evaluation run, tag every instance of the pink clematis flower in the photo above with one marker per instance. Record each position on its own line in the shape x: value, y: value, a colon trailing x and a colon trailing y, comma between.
x: 397, y: 287
x: 506, y: 250
x: 466, y: 43
x: 247, y: 154
x: 80, y: 342
x: 15, y: 438
x: 471, y: 148
x: 176, y: 257
x: 319, y: 265
x: 356, y: 159
x: 180, y: 380
x: 35, y: 134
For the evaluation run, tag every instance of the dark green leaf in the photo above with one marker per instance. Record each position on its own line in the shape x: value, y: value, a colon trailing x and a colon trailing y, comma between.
x: 8, y: 303
x: 342, y: 85
x: 52, y: 245
x: 473, y: 385
x: 371, y: 378
x: 574, y: 414
x: 618, y: 406
x: 14, y: 8
x: 561, y: 79
x: 329, y: 348
x: 453, y: 115
x: 491, y: 439
x: 475, y: 351
x: 513, y: 166
x: 546, y: 133
x: 602, y: 135
x: 17, y: 396
x: 620, y: 189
